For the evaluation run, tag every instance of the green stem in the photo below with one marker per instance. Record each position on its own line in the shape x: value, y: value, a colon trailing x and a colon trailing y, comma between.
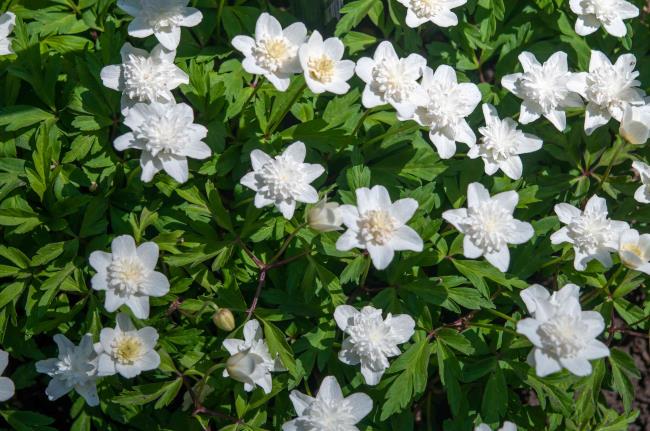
x: 501, y: 315
x: 365, y: 272
x: 257, y: 87
x: 286, y: 243
x: 271, y: 129
x: 407, y: 126
x: 361, y: 120
x: 219, y: 14
x: 604, y: 178
x: 492, y: 327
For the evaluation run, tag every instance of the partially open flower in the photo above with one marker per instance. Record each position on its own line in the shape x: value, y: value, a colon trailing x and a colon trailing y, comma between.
x: 642, y: 194
x: 325, y: 216
x: 634, y: 250
x: 7, y: 23
x: 635, y: 125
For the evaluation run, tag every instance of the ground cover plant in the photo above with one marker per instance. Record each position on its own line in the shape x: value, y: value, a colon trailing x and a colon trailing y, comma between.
x: 324, y: 215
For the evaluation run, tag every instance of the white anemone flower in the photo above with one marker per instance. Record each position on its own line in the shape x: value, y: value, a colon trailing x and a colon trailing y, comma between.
x: 325, y: 216
x: 322, y: 64
x: 250, y: 361
x: 329, y: 410
x: 273, y: 52
x: 502, y: 143
x: 7, y: 23
x: 592, y: 234
x: 284, y: 180
x: 635, y: 125
x: 608, y: 89
x: 446, y: 108
x: 74, y: 368
x: 144, y: 77
x: 543, y: 89
x: 507, y: 426
x: 128, y: 275
x: 162, y: 18
x: 393, y: 80
x: 634, y: 250
x: 489, y: 225
x: 562, y: 334
x: 592, y: 14
x: 379, y: 225
x: 126, y: 350
x: 7, y: 387
x: 370, y: 339
x: 642, y: 194
x: 167, y: 136
x: 437, y: 11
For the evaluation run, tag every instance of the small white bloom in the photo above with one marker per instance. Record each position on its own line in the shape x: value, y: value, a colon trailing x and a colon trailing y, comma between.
x: 635, y: 125
x: 7, y: 388
x: 592, y: 234
x: 543, y: 88
x: 608, y: 89
x: 126, y: 350
x: 162, y: 18
x: 562, y: 334
x: 447, y: 105
x: 642, y: 194
x: 283, y: 180
x: 489, y: 225
x: 507, y: 426
x: 167, y: 136
x: 437, y: 11
x: 128, y: 275
x: 394, y: 80
x: 74, y: 368
x: 144, y: 77
x: 250, y: 361
x: 329, y: 410
x: 379, y: 225
x: 634, y: 250
x: 502, y: 143
x: 371, y: 339
x: 7, y: 23
x: 323, y: 66
x: 592, y: 14
x: 274, y: 51
x: 325, y: 216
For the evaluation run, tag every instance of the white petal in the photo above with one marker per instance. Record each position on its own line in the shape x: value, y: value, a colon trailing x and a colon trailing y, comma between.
x: 616, y: 27
x: 445, y: 18
x: 403, y: 209
x: 148, y: 254
x: 446, y: 147
x: 405, y: 238
x: 123, y: 324
x: 464, y: 133
x: 296, y: 33
x: 100, y: 260
x: 557, y: 118
x: 287, y: 208
x: 348, y: 355
x: 595, y: 350
x: 509, y: 82
x: 267, y: 25
x: 566, y: 213
x: 56, y: 389
x: 197, y: 150
x: 259, y: 158
x: 477, y: 193
x: 360, y: 405
x: 455, y: 217
x: 169, y: 37
x: 595, y: 117
x: 348, y: 241
x: 364, y: 68
x: 300, y: 403
x: 500, y: 259
x: 156, y: 284
x: 544, y: 364
x: 529, y: 112
x: 445, y: 75
x: 191, y: 17
x: 470, y: 250
x: 343, y: 315
x: 402, y: 327
x: 243, y: 44
x: 512, y: 167
x: 577, y: 366
x: 528, y: 327
x: 176, y: 167
x: 139, y: 305
x: 381, y: 255
x: 371, y: 377
x: 253, y: 331
x: 150, y: 361
x: 140, y: 28
x: 7, y: 388
x: 111, y: 76
x: 124, y: 142
x: 528, y: 61
x: 296, y: 152
x: 123, y: 246
x: 521, y: 233
x: 586, y: 24
x: 330, y: 390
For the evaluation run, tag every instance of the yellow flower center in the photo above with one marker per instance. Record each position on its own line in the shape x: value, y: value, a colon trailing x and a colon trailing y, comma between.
x: 321, y: 68
x: 128, y: 349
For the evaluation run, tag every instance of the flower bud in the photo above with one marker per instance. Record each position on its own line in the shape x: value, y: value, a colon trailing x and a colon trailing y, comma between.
x: 635, y: 125
x: 241, y: 366
x: 325, y: 216
x: 224, y: 320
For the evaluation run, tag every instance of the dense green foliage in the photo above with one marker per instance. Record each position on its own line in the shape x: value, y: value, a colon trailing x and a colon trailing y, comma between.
x: 65, y: 192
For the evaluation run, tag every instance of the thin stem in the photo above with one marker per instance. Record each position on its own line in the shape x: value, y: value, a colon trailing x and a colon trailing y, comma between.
x: 204, y: 380
x: 258, y: 84
x: 271, y: 129
x: 288, y: 260
x: 287, y: 242
x: 612, y: 278
x: 365, y: 272
x: 604, y: 178
x: 492, y: 327
x: 258, y: 292
x: 250, y: 254
x: 361, y: 120
x: 500, y: 314
x: 219, y: 24
x: 407, y: 126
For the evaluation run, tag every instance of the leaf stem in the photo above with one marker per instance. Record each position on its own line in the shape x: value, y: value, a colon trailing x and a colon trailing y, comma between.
x: 272, y: 129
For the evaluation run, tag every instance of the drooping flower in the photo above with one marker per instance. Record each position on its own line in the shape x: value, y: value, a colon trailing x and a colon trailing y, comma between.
x: 592, y: 234
x: 635, y: 125
x: 507, y: 426
x: 447, y: 105
x: 393, y: 80
x: 144, y: 77
x: 284, y: 180
x: 325, y: 216
x: 543, y: 88
x: 502, y: 143
x: 489, y: 225
x: 274, y: 51
x: 608, y: 89
x: 329, y: 410
x: 74, y: 368
x: 634, y: 250
x: 370, y: 339
x: 7, y: 387
x: 7, y: 23
x: 250, y: 361
x: 126, y: 350
x: 162, y: 18
x: 128, y: 275
x: 562, y: 334
x: 167, y: 136
x: 379, y: 225
x: 437, y: 11
x: 592, y: 14
x: 642, y: 194
x: 322, y: 64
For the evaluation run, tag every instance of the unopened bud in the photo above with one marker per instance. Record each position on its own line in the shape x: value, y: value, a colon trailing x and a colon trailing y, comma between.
x: 635, y: 125
x: 325, y: 216
x: 93, y: 186
x: 241, y: 366
x: 224, y: 320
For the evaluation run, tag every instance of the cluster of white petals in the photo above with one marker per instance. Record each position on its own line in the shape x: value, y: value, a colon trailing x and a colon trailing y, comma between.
x: 323, y: 65
x: 250, y: 361
x: 507, y: 426
x: 489, y: 225
x: 128, y: 275
x: 436, y: 11
x: 7, y: 387
x: 592, y: 14
x: 593, y: 235
x: 635, y: 125
x: 634, y: 250
x: 562, y: 334
x: 371, y: 339
x: 74, y: 368
x: 7, y: 23
x: 642, y: 194
x: 329, y: 410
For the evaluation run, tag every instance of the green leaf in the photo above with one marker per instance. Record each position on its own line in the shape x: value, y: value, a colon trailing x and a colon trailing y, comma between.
x: 20, y: 116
